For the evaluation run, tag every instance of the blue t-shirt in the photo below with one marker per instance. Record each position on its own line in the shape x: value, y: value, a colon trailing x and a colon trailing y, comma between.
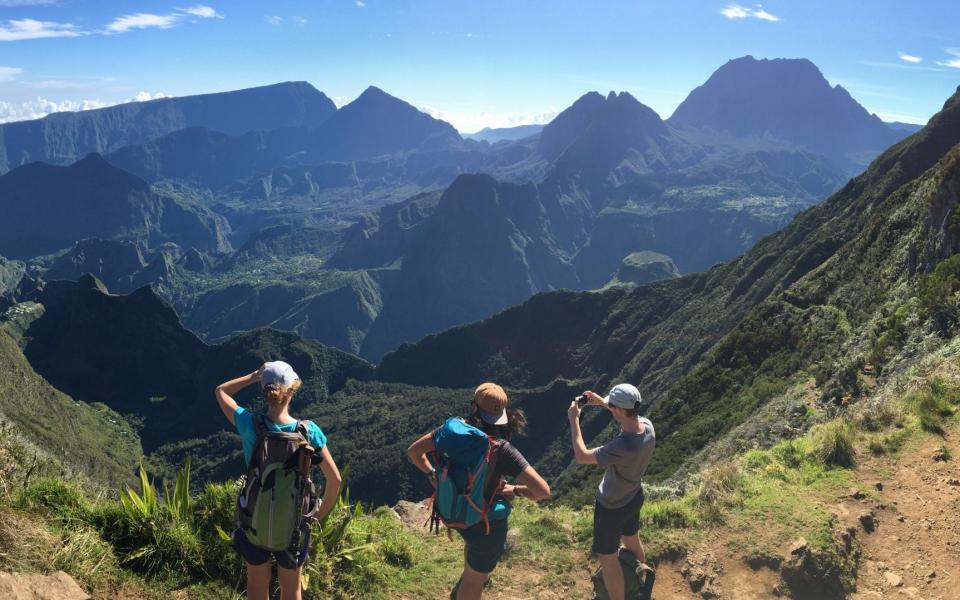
x: 243, y: 420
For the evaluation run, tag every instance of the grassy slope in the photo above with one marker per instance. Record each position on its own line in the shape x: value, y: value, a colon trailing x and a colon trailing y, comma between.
x: 90, y: 438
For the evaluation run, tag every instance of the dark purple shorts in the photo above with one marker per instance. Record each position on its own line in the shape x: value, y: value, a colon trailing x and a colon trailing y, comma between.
x: 257, y: 556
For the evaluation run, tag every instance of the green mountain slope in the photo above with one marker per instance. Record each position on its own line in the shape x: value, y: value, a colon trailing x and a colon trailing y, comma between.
x: 90, y: 438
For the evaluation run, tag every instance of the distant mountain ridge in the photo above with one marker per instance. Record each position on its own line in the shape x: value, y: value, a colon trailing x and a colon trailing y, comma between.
x: 499, y: 134
x: 48, y: 208
x: 62, y: 138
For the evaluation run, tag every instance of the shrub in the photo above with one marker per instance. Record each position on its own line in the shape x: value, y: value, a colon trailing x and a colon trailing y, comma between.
x: 669, y: 514
x: 55, y: 497
x: 832, y: 444
x: 790, y: 453
x: 931, y: 403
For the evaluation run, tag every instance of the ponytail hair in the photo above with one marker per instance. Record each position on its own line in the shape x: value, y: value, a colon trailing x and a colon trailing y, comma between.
x: 276, y: 394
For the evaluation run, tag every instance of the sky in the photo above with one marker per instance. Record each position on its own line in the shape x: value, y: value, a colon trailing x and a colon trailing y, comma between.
x: 475, y: 63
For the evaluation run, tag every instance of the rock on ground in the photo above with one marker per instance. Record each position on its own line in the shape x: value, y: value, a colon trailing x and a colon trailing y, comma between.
x: 59, y: 586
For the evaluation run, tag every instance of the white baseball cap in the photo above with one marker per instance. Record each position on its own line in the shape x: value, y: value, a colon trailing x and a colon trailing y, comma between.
x: 277, y: 373
x: 624, y: 395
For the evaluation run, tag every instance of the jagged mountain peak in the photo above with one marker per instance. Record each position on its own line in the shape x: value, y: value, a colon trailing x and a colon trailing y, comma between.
x: 787, y: 100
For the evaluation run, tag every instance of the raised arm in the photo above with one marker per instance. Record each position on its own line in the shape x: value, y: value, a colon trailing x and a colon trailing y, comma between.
x: 334, y: 480
x: 581, y: 454
x: 224, y: 392
x: 417, y: 453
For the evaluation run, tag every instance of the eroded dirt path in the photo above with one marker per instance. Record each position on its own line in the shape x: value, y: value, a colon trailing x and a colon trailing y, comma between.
x: 915, y: 550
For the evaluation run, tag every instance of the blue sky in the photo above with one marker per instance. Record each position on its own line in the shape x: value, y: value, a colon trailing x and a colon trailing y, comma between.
x: 473, y: 62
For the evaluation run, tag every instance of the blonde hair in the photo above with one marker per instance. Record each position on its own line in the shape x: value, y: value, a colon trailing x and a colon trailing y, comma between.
x: 279, y: 394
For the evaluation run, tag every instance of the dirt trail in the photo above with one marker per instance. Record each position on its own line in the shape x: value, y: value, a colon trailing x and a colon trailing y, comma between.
x: 915, y: 550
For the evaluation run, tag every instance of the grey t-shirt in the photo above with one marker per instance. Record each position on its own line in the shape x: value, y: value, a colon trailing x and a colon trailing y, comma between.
x: 625, y: 459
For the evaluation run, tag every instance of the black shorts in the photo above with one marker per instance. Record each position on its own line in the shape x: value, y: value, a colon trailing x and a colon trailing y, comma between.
x: 611, y: 523
x: 485, y: 549
x: 257, y: 556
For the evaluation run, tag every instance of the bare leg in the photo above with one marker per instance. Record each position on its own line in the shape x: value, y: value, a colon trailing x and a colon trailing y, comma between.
x: 632, y: 543
x: 258, y: 581
x: 289, y: 583
x: 471, y: 584
x: 612, y: 575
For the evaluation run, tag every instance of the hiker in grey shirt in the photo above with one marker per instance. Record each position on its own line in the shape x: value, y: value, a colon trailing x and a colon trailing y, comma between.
x: 616, y: 514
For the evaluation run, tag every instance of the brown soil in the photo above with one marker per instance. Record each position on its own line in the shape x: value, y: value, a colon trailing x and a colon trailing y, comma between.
x: 917, y: 539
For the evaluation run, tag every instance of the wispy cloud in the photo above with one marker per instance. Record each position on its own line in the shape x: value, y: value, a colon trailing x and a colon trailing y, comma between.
x: 141, y: 21
x: 900, y: 65
x: 738, y: 11
x: 31, y: 29
x: 299, y: 21
x: 202, y: 11
x: 910, y: 58
x: 889, y: 116
x: 9, y: 73
x: 953, y: 62
x: 274, y: 19
x: 361, y: 3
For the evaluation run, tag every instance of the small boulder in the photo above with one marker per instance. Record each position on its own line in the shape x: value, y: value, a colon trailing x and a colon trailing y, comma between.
x: 939, y: 455
x: 953, y: 481
x: 513, y: 539
x: 414, y: 515
x: 856, y: 494
x: 799, y: 547
x: 58, y: 586
x: 868, y: 521
x: 878, y: 485
x: 893, y: 579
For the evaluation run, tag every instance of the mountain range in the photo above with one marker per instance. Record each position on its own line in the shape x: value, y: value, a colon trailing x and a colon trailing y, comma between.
x: 840, y: 291
x: 62, y: 138
x: 372, y: 225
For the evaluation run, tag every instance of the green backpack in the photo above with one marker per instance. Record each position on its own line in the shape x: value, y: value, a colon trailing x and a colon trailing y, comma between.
x: 638, y: 579
x: 278, y: 501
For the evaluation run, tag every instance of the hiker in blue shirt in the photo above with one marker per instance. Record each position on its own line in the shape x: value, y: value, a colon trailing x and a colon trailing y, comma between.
x: 278, y: 383
x: 485, y: 542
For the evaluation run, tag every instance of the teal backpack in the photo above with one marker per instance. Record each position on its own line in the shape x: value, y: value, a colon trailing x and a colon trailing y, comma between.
x: 463, y: 458
x: 278, y: 501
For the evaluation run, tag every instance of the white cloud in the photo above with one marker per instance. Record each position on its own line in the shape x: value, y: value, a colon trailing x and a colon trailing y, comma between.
x: 470, y: 122
x: 274, y: 19
x: 737, y: 11
x: 31, y: 29
x: 41, y: 107
x: 951, y: 62
x: 299, y: 21
x: 361, y: 3
x: 141, y: 21
x: 146, y: 96
x: 9, y: 73
x: 202, y: 11
x: 910, y: 58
